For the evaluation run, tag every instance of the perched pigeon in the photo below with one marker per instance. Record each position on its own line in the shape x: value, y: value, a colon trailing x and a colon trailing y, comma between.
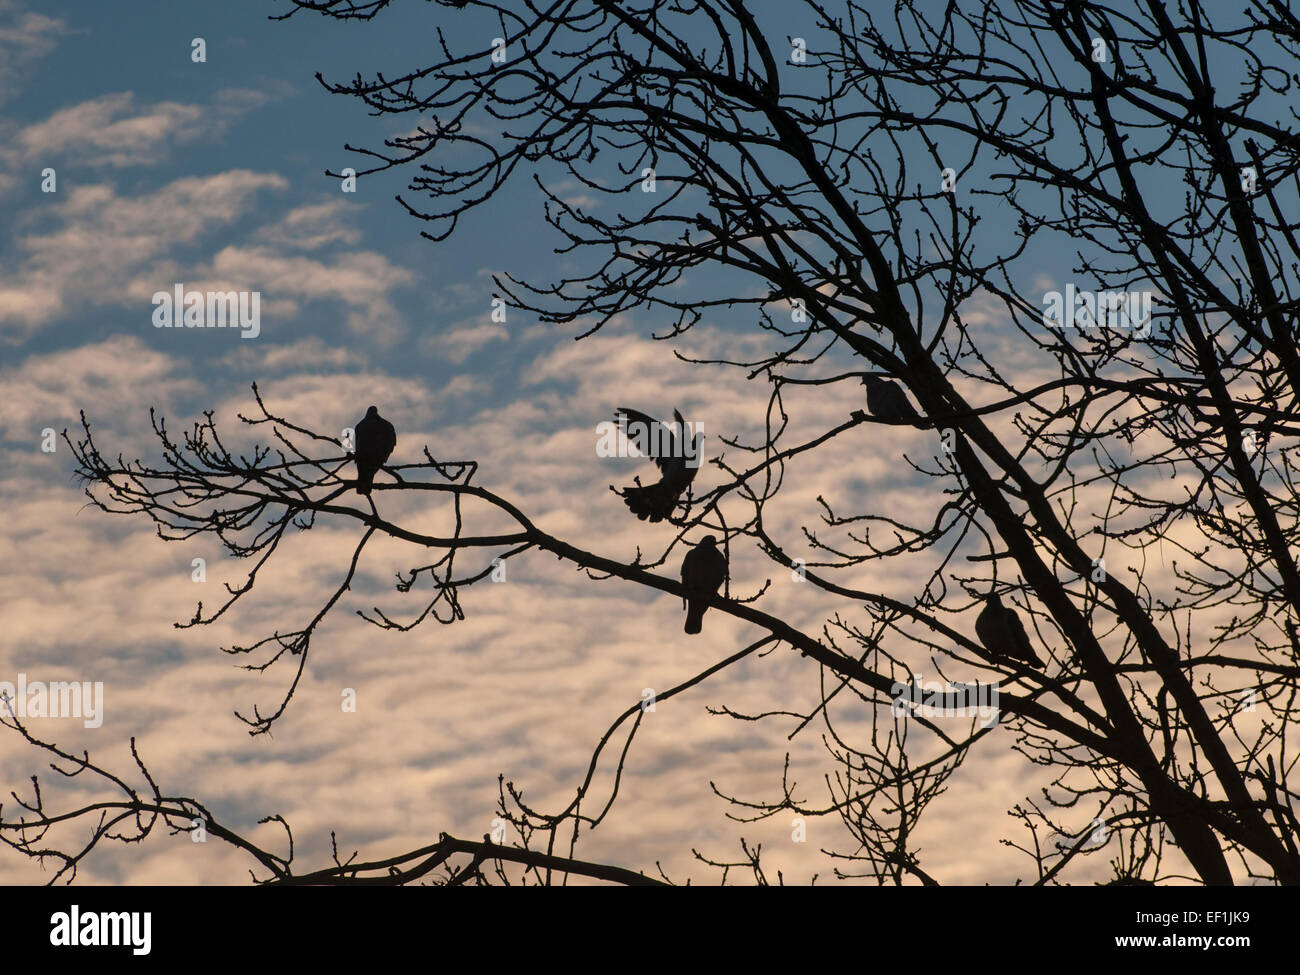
x: 887, y: 401
x: 376, y: 439
x: 703, y: 571
x: 657, y: 501
x: 1003, y: 635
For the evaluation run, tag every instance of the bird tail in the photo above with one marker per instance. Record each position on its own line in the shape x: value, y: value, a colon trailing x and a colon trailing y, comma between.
x: 365, y: 481
x: 695, y: 617
x: 648, y: 502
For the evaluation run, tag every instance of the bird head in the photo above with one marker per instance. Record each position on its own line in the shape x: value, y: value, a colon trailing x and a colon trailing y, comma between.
x: 708, y: 541
x: 372, y: 411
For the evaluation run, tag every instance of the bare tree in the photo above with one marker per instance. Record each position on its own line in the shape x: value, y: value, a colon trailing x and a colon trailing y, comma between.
x: 882, y: 178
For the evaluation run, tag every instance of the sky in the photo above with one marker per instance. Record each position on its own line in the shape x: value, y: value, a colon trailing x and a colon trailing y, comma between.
x: 213, y: 175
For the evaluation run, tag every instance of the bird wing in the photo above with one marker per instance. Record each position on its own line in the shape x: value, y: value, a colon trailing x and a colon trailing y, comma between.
x: 703, y: 571
x: 375, y: 439
x: 878, y: 401
x: 643, y: 438
x: 1019, y: 638
x: 718, y: 569
x: 693, y: 570
x: 887, y: 400
x: 363, y: 435
x: 903, y: 408
x: 986, y: 629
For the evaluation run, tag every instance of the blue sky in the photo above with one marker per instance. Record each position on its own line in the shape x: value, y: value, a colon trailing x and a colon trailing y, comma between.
x: 253, y: 106
x: 130, y: 123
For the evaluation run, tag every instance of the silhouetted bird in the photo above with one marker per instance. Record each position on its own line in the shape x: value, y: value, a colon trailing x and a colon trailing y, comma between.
x: 703, y: 571
x: 1003, y: 635
x: 887, y: 401
x: 657, y: 501
x: 376, y: 439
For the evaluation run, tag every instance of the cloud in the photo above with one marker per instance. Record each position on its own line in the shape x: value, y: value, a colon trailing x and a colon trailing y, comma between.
x: 110, y: 131
x: 528, y: 681
x: 575, y: 194
x: 114, y: 130
x: 110, y: 379
x: 107, y: 249
x: 360, y: 280
x: 313, y: 225
x: 25, y: 38
x: 458, y: 343
x: 262, y: 359
x: 442, y: 710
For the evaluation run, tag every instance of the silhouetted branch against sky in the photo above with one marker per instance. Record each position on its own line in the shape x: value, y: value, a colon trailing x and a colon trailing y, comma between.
x: 1001, y: 306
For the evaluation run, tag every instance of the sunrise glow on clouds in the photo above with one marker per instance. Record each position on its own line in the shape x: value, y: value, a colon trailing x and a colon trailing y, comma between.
x: 212, y: 175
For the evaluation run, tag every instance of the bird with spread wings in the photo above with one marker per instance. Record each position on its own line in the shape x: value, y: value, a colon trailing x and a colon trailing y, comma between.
x: 677, y: 464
